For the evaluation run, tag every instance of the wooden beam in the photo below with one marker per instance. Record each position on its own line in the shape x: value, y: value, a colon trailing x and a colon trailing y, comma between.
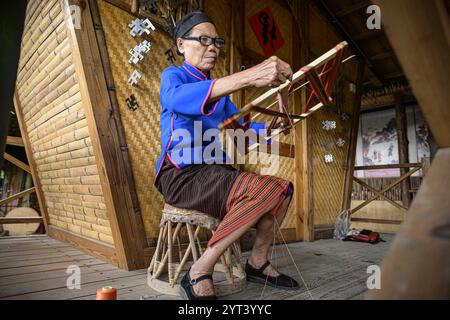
x: 21, y: 220
x: 367, y: 34
x: 17, y: 195
x: 17, y: 162
x: 371, y: 103
x: 104, y: 133
x: 352, y: 8
x: 373, y: 77
x: 29, y: 152
x: 351, y: 151
x: 392, y: 75
x: 382, y: 55
x: 403, y: 149
x: 381, y: 221
x: 126, y: 163
x: 390, y: 166
x: 14, y: 141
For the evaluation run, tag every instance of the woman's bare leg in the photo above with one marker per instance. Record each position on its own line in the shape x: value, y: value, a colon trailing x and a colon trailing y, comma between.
x: 266, y: 229
x: 205, y: 264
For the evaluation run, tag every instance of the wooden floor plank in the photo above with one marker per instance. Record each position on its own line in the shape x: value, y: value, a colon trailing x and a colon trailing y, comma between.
x: 30, y: 253
x: 54, y: 266
x: 38, y: 286
x: 41, y: 255
x: 88, y: 289
x: 52, y: 274
x: 43, y: 261
x: 36, y: 269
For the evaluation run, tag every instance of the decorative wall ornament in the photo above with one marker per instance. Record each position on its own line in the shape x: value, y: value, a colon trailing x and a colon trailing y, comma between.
x: 328, y: 158
x: 170, y: 56
x: 139, y: 27
x: 150, y: 5
x: 132, y: 103
x: 328, y: 125
x: 137, y: 52
x: 340, y: 142
x: 343, y: 116
x: 134, y: 78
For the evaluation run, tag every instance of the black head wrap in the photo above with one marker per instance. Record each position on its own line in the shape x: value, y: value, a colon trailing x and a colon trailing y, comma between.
x: 186, y: 23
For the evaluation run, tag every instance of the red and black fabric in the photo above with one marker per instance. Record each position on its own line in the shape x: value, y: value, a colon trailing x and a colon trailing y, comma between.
x: 321, y: 84
x: 252, y: 196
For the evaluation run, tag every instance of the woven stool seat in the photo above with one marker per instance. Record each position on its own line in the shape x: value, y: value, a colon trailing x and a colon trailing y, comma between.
x: 192, y: 217
x: 171, y: 257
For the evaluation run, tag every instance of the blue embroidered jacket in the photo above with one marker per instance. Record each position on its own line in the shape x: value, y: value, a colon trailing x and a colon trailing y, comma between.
x: 183, y: 95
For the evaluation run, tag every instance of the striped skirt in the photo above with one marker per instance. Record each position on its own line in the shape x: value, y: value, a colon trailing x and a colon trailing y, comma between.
x: 200, y: 187
x: 252, y: 196
x: 234, y: 197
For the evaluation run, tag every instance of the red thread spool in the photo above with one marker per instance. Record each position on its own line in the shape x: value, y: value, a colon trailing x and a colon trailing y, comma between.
x: 106, y: 293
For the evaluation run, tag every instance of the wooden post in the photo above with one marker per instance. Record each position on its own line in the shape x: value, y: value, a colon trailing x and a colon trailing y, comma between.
x: 126, y: 228
x: 417, y: 264
x: 237, y: 47
x: 303, y: 156
x: 402, y: 138
x: 351, y: 152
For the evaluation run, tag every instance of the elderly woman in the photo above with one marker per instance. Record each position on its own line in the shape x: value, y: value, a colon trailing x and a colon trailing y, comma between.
x: 240, y: 200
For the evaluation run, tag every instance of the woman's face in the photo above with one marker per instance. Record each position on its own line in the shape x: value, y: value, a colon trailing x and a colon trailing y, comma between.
x: 200, y: 56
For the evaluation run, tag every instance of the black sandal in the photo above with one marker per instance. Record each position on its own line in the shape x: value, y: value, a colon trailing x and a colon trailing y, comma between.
x: 281, y: 282
x: 187, y: 291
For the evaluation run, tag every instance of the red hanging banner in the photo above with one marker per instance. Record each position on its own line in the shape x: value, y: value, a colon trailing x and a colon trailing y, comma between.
x: 266, y: 30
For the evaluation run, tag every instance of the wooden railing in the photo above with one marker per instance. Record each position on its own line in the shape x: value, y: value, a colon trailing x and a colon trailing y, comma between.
x: 414, y: 167
x: 17, y: 141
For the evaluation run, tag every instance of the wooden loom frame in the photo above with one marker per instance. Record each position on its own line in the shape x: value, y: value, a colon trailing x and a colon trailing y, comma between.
x: 253, y: 106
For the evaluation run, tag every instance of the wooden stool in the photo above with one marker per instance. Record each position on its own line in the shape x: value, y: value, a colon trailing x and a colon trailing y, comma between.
x: 173, y: 222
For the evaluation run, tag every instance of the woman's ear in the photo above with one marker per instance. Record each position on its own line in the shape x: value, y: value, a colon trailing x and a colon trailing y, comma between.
x: 180, y: 45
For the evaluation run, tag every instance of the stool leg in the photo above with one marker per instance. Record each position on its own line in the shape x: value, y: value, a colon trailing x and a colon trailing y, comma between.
x: 200, y: 249
x: 192, y: 242
x: 169, y: 249
x: 237, y: 254
x: 179, y: 246
x: 162, y: 231
x: 228, y: 275
x: 229, y: 264
x: 186, y: 255
x: 166, y: 255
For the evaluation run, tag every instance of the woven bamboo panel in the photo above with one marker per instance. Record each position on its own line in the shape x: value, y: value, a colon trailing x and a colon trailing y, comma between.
x: 328, y: 178
x: 141, y: 127
x: 56, y: 124
x: 220, y: 13
x: 284, y: 24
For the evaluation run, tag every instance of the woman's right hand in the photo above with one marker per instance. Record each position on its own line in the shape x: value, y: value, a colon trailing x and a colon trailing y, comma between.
x: 271, y: 72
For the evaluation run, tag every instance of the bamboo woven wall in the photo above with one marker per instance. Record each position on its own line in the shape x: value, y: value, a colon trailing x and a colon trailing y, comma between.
x: 220, y: 13
x: 55, y: 123
x: 141, y: 127
x: 328, y: 178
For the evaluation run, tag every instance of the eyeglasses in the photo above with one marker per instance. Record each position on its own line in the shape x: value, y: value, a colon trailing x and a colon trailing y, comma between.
x: 207, y: 41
